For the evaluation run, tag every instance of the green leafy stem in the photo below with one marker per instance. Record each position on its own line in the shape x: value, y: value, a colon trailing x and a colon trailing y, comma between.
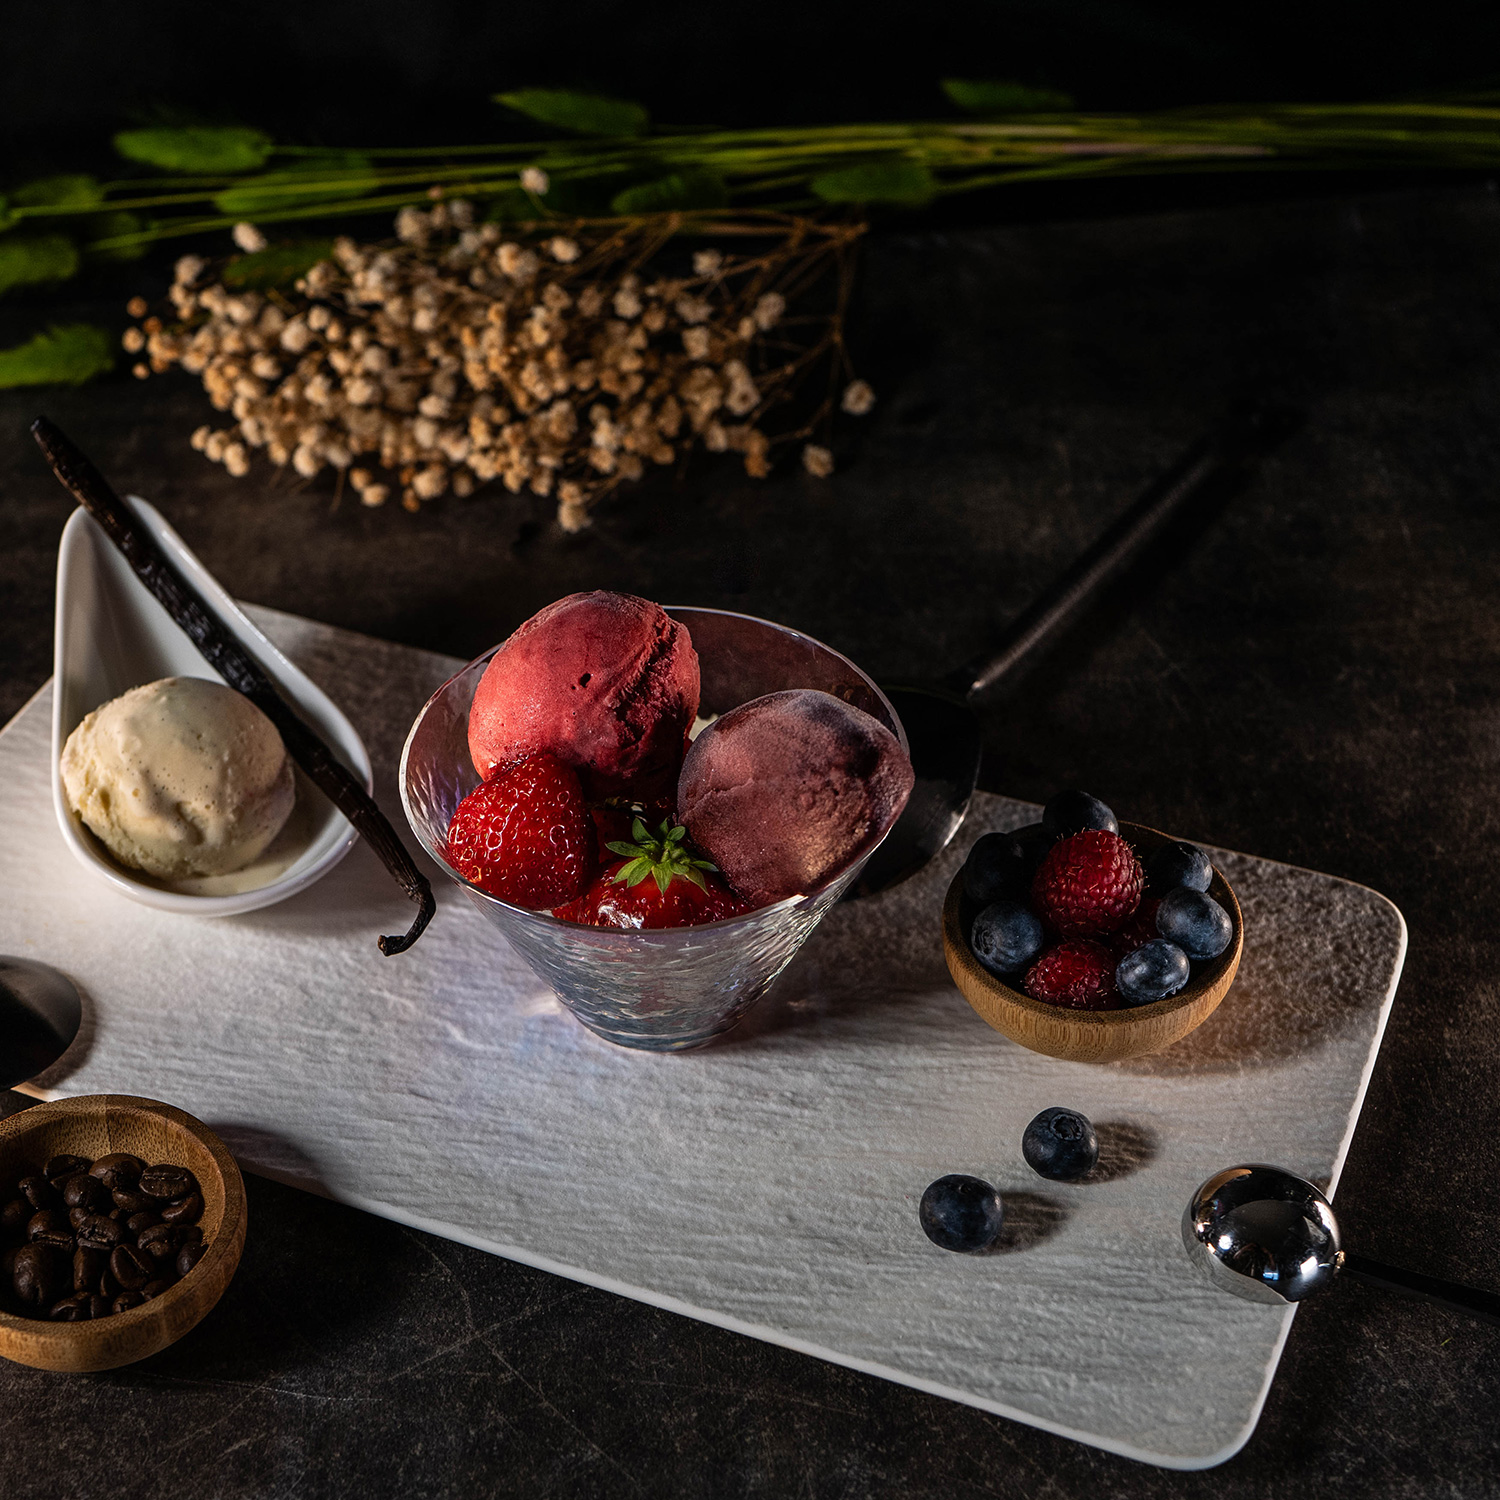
x: 602, y: 158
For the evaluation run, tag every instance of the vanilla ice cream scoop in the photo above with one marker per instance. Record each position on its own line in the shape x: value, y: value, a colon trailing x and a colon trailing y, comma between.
x: 180, y: 777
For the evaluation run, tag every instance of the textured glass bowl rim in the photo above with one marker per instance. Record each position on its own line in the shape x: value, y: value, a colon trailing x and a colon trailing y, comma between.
x: 625, y: 935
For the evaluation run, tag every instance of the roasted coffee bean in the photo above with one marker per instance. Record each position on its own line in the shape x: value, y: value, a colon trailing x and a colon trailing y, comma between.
x: 118, y: 1169
x: 49, y: 1227
x: 168, y: 1183
x: 130, y: 1200
x: 65, y: 1166
x: 74, y: 1309
x: 79, y: 1221
x: 83, y: 1191
x: 40, y: 1273
x: 39, y: 1193
x: 132, y: 1268
x: 99, y: 1233
x: 184, y: 1211
x: 161, y: 1240
x: 89, y: 1267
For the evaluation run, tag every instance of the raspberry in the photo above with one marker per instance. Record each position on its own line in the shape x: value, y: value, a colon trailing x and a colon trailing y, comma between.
x: 1080, y: 975
x: 1089, y: 884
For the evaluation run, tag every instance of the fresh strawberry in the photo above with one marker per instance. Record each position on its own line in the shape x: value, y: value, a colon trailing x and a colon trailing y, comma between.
x: 615, y: 817
x: 656, y: 882
x: 1089, y: 885
x: 1138, y: 931
x: 1080, y: 975
x: 525, y: 835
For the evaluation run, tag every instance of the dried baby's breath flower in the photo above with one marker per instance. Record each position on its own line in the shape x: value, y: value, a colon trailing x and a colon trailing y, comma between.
x: 817, y: 461
x: 249, y: 238
x: 859, y: 398
x: 534, y: 180
x: 768, y: 310
x: 455, y: 356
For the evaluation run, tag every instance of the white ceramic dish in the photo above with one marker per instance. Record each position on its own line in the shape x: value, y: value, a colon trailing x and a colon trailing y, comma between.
x: 767, y: 1184
x: 112, y: 635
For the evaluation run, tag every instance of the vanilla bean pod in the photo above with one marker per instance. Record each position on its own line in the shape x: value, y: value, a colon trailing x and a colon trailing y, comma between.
x: 234, y: 664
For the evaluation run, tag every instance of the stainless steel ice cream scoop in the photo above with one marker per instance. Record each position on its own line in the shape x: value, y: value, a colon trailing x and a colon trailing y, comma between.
x: 40, y: 1013
x: 1269, y: 1236
x: 942, y: 726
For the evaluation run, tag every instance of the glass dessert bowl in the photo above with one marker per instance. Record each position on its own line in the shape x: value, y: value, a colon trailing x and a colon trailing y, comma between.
x: 660, y: 989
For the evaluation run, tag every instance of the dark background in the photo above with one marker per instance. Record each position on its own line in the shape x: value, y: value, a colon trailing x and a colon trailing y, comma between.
x: 1309, y: 670
x: 388, y: 72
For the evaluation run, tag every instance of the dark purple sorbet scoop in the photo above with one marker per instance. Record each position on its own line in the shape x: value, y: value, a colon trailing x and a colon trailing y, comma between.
x: 786, y: 791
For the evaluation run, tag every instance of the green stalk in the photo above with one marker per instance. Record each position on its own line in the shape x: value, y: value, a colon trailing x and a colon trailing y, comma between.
x: 960, y: 156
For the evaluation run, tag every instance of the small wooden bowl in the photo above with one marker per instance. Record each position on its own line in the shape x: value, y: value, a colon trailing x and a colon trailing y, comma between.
x: 94, y: 1126
x: 1094, y: 1036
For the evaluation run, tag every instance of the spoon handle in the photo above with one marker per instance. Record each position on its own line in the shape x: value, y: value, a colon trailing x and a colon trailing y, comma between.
x: 1241, y: 436
x: 1472, y: 1300
x: 225, y: 654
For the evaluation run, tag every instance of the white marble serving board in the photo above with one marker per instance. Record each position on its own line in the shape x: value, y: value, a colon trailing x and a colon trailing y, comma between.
x: 769, y: 1183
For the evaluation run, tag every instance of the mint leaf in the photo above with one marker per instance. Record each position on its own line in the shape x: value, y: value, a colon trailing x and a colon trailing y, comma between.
x: 678, y: 190
x: 70, y: 190
x: 33, y: 259
x: 211, y: 149
x: 997, y: 97
x: 907, y: 183
x: 584, y: 114
x: 67, y: 355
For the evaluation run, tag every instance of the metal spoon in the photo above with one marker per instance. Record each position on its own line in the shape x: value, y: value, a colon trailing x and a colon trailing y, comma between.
x: 1268, y: 1236
x: 40, y: 1013
x: 944, y: 732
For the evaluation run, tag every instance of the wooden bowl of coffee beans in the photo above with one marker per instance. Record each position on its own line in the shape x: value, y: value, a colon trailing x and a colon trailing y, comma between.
x: 121, y: 1223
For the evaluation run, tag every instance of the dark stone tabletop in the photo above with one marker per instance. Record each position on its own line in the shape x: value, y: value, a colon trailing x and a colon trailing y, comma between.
x: 1308, y: 669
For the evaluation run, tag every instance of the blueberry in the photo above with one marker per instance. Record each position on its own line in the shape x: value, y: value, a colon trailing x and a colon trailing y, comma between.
x: 995, y: 869
x: 1180, y: 864
x: 1005, y: 937
x: 1195, y: 922
x: 1072, y: 812
x: 1154, y: 971
x: 1061, y: 1144
x: 1035, y: 841
x: 962, y: 1213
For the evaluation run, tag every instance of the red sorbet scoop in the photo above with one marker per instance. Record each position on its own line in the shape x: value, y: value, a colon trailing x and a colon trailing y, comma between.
x: 785, y: 791
x: 606, y: 682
